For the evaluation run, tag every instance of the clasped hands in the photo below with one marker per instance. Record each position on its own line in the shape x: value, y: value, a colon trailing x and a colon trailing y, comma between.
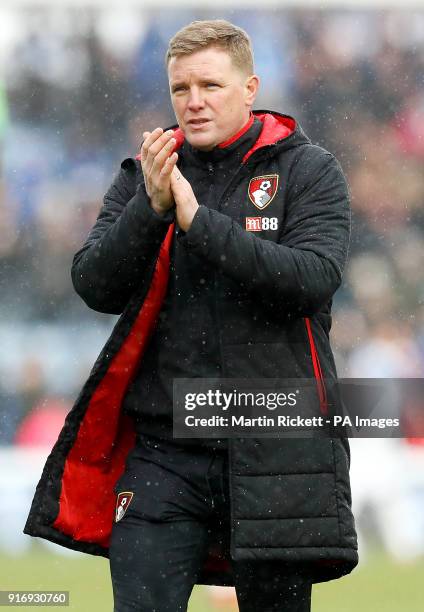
x: 165, y: 185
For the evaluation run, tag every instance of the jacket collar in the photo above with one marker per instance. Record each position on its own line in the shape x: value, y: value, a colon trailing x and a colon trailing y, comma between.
x: 277, y: 129
x: 229, y: 153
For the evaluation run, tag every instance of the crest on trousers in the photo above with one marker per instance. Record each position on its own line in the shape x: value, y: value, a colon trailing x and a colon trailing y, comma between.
x: 262, y: 190
x: 122, y: 503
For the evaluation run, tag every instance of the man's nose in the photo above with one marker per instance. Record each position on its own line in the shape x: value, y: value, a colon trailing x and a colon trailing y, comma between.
x: 195, y: 101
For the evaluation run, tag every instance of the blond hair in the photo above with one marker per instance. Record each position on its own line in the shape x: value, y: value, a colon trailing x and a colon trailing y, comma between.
x: 218, y: 33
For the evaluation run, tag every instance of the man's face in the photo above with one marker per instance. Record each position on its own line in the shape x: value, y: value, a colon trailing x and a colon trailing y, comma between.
x: 211, y: 97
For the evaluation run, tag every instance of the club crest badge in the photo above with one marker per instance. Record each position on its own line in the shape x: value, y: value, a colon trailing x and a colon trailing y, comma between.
x: 122, y: 502
x: 262, y: 190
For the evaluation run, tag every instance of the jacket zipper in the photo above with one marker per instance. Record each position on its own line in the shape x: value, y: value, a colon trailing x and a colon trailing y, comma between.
x: 244, y: 167
x: 322, y: 393
x: 229, y: 185
x: 211, y: 171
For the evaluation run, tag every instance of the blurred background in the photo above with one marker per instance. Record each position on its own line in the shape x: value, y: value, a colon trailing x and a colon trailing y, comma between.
x: 79, y: 82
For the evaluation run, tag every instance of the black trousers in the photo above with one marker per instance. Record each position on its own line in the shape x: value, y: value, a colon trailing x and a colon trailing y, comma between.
x: 180, y: 501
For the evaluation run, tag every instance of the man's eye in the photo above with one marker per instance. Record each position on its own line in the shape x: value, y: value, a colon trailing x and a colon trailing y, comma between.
x: 212, y: 85
x: 177, y: 89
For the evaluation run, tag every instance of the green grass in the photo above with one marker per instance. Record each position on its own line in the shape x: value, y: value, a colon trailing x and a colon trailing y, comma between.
x: 377, y: 586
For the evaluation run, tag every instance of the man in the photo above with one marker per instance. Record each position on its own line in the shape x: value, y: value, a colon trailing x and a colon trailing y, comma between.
x: 222, y: 246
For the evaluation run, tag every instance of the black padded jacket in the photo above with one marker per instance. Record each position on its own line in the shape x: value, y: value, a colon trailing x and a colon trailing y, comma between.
x: 290, y: 498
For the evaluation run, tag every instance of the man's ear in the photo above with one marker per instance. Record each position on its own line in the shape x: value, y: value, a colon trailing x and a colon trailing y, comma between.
x: 251, y: 87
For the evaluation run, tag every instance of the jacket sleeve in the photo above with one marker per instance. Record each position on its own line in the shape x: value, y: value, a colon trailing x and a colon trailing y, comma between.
x: 304, y: 268
x: 122, y: 244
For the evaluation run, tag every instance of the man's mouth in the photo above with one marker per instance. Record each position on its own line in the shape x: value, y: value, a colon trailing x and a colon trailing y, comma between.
x: 197, y: 122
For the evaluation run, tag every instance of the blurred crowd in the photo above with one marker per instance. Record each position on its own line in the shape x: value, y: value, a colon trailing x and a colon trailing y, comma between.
x: 77, y: 88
